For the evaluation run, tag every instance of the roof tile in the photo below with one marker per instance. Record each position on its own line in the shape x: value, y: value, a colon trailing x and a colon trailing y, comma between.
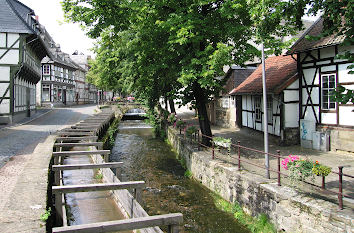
x: 279, y: 70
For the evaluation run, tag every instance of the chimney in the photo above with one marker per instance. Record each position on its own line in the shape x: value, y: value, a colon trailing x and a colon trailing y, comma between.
x: 37, y: 18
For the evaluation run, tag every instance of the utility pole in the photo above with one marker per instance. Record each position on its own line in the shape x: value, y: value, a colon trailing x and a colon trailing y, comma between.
x: 265, y: 115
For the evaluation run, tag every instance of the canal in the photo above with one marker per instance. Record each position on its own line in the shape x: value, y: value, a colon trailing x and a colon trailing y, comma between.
x: 167, y: 190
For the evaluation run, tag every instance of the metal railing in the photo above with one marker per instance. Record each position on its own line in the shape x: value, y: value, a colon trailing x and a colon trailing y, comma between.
x: 238, y: 148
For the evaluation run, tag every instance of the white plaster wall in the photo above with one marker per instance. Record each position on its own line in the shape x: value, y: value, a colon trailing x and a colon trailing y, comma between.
x: 3, y: 40
x: 309, y: 73
x: 5, y: 107
x: 346, y: 115
x: 291, y: 95
x: 11, y: 57
x: 11, y: 38
x: 343, y: 75
x: 327, y: 52
x: 4, y: 73
x: 329, y: 118
x: 3, y: 87
x: 291, y: 115
x: 328, y: 68
x: 309, y: 115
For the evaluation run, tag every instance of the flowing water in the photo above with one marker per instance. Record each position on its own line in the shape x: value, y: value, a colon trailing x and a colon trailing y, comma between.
x: 88, y: 207
x: 167, y: 189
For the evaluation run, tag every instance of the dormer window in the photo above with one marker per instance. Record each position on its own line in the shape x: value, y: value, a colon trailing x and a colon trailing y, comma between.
x: 46, y: 69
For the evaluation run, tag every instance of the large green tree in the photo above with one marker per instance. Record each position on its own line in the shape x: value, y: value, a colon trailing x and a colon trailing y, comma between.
x: 183, y: 45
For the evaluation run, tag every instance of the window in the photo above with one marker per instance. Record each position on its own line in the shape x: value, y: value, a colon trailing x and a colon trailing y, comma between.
x: 257, y: 108
x: 270, y: 110
x: 46, y: 69
x: 328, y: 85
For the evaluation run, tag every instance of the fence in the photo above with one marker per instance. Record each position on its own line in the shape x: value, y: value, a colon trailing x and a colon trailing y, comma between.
x: 241, y: 159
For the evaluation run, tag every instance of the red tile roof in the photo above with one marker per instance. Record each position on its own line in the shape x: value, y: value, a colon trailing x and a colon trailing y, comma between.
x: 281, y: 71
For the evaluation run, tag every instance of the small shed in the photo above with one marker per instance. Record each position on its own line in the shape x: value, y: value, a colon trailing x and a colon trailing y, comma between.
x: 282, y: 99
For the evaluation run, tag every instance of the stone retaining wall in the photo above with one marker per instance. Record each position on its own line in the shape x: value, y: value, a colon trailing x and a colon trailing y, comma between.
x: 287, y: 209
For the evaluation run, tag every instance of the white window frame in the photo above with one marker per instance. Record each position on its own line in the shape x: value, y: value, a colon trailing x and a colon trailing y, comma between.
x: 46, y: 69
x: 270, y: 110
x: 257, y: 109
x: 327, y: 86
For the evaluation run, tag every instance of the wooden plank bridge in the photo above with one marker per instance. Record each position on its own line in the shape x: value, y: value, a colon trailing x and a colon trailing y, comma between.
x: 85, y: 135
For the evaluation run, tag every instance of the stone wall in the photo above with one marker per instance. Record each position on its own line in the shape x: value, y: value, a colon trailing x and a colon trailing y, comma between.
x: 289, y: 210
x: 291, y: 136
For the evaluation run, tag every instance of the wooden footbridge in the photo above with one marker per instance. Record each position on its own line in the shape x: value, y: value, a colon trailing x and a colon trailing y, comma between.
x: 85, y: 135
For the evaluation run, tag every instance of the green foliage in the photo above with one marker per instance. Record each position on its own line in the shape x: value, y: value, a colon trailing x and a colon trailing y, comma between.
x: 320, y: 170
x: 110, y: 137
x: 44, y: 217
x: 190, y: 130
x: 299, y: 170
x: 259, y: 224
x: 343, y: 95
x: 176, y: 49
x: 188, y: 174
x: 172, y: 118
x: 155, y: 121
x: 180, y: 124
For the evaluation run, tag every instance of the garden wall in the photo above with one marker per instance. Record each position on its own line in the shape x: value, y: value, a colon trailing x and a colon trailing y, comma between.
x: 287, y: 209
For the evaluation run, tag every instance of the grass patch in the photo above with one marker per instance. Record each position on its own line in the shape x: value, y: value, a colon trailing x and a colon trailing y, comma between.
x: 110, y: 136
x: 44, y: 217
x: 188, y: 174
x: 254, y: 224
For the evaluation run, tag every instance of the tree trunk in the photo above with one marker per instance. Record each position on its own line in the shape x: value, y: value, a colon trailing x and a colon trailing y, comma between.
x: 204, y: 124
x: 172, y: 106
x: 166, y: 103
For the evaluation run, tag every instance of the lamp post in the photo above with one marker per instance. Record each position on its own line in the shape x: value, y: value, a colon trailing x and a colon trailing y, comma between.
x: 265, y: 115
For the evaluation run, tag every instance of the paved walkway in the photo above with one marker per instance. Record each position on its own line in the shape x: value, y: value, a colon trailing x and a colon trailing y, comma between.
x: 25, y: 152
x: 254, y: 139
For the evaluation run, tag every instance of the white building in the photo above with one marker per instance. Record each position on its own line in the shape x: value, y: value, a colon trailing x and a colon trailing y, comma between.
x: 21, y: 52
x: 324, y: 123
x: 282, y: 99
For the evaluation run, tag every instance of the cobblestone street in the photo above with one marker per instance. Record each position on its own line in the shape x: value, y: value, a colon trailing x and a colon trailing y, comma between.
x: 22, y: 139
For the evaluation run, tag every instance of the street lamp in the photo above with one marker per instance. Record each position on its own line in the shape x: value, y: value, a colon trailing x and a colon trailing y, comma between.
x: 265, y: 115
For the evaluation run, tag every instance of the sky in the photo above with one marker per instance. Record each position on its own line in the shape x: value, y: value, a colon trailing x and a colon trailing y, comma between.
x: 68, y: 35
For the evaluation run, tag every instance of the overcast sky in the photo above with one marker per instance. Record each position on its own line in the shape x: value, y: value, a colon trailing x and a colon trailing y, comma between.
x: 68, y: 35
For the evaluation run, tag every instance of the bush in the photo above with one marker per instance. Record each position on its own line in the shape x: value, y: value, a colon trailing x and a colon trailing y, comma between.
x: 190, y: 130
x: 320, y: 170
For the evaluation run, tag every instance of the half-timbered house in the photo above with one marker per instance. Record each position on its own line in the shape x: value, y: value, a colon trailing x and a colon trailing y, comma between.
x: 282, y: 99
x: 324, y: 123
x: 21, y: 52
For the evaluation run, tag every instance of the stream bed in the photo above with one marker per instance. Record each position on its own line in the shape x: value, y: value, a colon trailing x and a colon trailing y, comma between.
x: 167, y: 190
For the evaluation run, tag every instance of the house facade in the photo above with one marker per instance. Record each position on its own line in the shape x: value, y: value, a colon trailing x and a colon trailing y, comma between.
x: 222, y: 110
x: 84, y: 91
x: 282, y: 99
x: 21, y: 52
x: 324, y: 123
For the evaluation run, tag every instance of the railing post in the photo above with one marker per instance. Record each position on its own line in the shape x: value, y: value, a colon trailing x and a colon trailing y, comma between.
x: 340, y: 194
x: 239, y: 155
x: 278, y: 156
x: 323, y: 182
x: 173, y: 229
x: 58, y: 207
